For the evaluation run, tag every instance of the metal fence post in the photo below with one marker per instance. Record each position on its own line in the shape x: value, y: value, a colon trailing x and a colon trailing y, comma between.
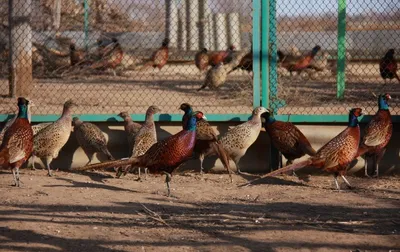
x: 20, y: 55
x: 86, y: 23
x: 265, y: 52
x: 341, y: 48
x: 256, y: 52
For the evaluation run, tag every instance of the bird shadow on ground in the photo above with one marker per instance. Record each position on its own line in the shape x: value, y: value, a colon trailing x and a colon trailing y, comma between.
x: 73, y: 183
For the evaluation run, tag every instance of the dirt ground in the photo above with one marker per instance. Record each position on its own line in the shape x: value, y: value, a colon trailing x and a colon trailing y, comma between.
x: 94, y: 211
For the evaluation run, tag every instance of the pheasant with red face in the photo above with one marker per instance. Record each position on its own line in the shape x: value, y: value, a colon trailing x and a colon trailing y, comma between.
x: 17, y: 144
x: 163, y: 157
x: 206, y: 138
x: 388, y: 66
x: 377, y: 135
x: 218, y: 57
x: 336, y: 155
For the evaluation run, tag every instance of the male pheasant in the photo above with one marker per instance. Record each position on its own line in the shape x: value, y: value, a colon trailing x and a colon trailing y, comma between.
x: 336, y: 155
x: 206, y: 138
x: 217, y: 75
x: 287, y: 138
x: 201, y: 60
x: 159, y: 57
x: 17, y: 144
x: 297, y: 64
x: 131, y: 129
x: 377, y: 134
x: 48, y: 142
x: 164, y: 156
x: 91, y: 139
x: 145, y: 138
x: 388, y: 66
x: 239, y: 138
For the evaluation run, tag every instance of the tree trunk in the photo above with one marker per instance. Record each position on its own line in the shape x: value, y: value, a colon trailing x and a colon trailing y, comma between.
x: 20, y: 56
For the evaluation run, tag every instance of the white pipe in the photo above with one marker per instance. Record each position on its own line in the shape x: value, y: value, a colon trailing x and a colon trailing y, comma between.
x: 220, y: 33
x: 171, y: 22
x: 192, y: 19
x: 233, y: 28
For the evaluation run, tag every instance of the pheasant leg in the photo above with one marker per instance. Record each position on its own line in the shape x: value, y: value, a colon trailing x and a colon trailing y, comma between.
x: 167, y: 180
x: 347, y: 182
x: 377, y: 160
x: 366, y: 166
x: 336, y: 182
x: 48, y: 161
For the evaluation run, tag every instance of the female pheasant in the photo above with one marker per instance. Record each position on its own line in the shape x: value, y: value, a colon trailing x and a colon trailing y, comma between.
x: 336, y: 155
x: 206, y: 138
x: 17, y: 144
x: 164, y: 156
x: 287, y: 138
x: 238, y: 139
x: 48, y: 142
x: 91, y: 139
x: 131, y: 129
x: 377, y: 134
x: 145, y: 138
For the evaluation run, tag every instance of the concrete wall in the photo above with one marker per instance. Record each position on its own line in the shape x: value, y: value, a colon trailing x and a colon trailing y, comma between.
x: 255, y: 160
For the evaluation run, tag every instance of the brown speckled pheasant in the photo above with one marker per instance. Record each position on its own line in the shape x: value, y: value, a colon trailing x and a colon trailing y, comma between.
x: 336, y: 155
x: 377, y: 135
x: 216, y: 76
x: 91, y: 139
x: 131, y: 129
x: 38, y: 127
x: 48, y: 142
x: 206, y: 138
x: 145, y: 138
x: 18, y: 141
x: 239, y: 138
x: 287, y: 138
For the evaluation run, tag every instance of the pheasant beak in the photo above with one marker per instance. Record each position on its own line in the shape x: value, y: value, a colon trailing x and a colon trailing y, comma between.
x: 388, y: 97
x: 204, y: 117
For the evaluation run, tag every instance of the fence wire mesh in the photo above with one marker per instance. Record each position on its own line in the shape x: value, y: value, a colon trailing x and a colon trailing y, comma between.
x: 102, y: 53
x: 111, y: 55
x: 371, y: 29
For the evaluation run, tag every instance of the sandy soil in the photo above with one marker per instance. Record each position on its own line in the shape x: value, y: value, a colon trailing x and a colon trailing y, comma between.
x: 96, y: 212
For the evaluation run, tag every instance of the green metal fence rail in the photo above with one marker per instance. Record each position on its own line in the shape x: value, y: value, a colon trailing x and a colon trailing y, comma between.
x: 353, y: 36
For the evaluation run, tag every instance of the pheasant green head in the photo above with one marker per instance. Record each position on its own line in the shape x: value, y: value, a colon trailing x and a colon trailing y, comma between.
x: 268, y: 117
x: 191, y: 124
x: 353, y: 116
x: 23, y: 107
x: 383, y: 101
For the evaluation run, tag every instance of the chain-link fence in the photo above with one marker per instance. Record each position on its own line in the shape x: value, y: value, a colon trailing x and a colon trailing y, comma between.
x: 112, y: 55
x: 125, y: 55
x: 362, y: 32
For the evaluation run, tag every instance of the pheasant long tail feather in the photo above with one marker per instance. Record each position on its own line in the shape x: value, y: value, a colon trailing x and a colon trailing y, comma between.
x: 288, y: 168
x: 122, y: 162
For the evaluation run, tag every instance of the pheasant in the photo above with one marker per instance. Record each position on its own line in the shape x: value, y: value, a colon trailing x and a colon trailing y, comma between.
x: 216, y: 76
x: 336, y: 155
x: 222, y: 56
x: 17, y: 144
x: 164, y: 156
x: 239, y: 138
x: 38, y: 127
x: 206, y: 138
x: 201, y: 60
x: 131, y: 129
x: 297, y: 64
x: 76, y: 56
x: 91, y: 139
x: 287, y: 138
x: 377, y: 134
x: 111, y: 57
x: 159, y: 57
x: 48, y: 142
x: 145, y: 138
x: 246, y: 63
x: 12, y: 120
x: 388, y: 66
